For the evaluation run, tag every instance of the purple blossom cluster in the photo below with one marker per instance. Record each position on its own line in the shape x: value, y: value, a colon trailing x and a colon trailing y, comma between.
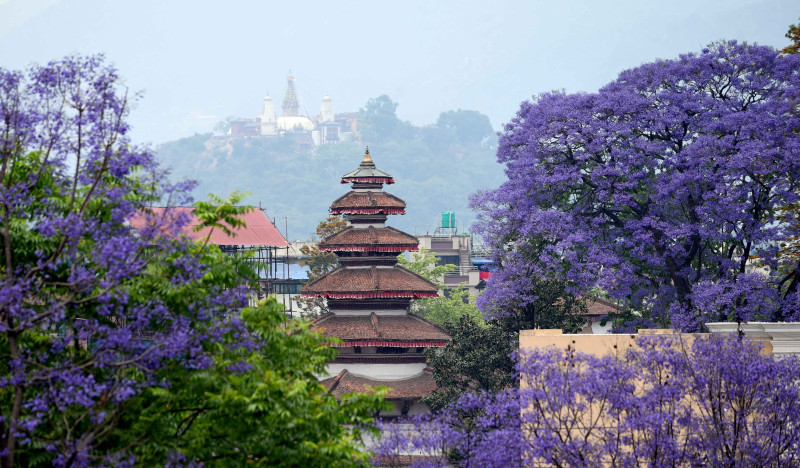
x: 90, y: 311
x: 661, y: 190
x: 478, y: 430
x: 661, y: 401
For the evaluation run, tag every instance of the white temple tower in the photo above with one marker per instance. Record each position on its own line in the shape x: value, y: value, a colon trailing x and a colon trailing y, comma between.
x: 326, y: 109
x: 267, y: 117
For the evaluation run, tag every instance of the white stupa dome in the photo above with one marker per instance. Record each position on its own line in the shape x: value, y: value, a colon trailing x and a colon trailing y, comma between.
x: 294, y: 123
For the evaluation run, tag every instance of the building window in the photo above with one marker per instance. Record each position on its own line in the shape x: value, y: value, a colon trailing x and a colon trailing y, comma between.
x: 287, y: 288
x: 449, y: 260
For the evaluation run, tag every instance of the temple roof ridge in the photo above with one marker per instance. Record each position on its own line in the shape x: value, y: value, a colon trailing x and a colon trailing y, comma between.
x: 359, y: 283
x: 376, y: 239
x: 412, y: 387
x: 381, y: 330
x: 354, y: 202
x: 367, y: 172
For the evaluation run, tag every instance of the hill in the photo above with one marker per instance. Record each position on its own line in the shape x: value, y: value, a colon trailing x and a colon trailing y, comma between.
x: 436, y: 167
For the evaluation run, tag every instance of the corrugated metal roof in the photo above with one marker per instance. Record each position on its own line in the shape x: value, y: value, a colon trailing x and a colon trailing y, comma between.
x: 259, y: 231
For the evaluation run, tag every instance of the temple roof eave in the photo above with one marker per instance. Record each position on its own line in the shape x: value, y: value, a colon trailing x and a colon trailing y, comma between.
x: 408, y: 330
x: 382, y: 239
x: 409, y: 388
x: 372, y: 282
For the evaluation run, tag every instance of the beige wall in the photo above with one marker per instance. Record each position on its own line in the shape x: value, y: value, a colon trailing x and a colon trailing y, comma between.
x: 604, y: 344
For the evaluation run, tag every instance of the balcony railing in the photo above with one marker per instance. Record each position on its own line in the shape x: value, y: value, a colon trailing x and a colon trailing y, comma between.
x: 461, y: 271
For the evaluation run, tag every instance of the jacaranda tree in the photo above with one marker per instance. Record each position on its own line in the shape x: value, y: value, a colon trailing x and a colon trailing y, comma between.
x: 119, y: 345
x: 661, y: 189
x: 661, y: 402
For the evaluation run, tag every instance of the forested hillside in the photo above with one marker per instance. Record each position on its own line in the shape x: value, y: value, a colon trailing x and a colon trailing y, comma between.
x: 436, y: 167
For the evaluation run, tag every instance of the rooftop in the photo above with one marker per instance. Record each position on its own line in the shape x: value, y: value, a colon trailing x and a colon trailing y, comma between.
x: 367, y: 172
x: 370, y: 282
x: 259, y: 230
x: 386, y: 239
x: 405, y: 331
x: 368, y: 203
x: 414, y: 387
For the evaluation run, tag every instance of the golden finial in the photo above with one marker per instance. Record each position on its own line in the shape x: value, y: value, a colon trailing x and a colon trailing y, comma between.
x: 367, y: 157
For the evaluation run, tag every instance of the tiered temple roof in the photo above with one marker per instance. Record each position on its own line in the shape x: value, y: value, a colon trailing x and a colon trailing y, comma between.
x: 370, y: 239
x: 366, y: 172
x: 370, y: 282
x: 411, y: 388
x: 368, y: 203
x: 405, y: 331
x: 369, y: 294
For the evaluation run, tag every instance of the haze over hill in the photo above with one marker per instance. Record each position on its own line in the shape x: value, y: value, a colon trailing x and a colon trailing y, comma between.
x: 436, y: 167
x: 200, y: 61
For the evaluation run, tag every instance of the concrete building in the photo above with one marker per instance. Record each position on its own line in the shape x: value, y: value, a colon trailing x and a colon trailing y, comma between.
x: 452, y: 248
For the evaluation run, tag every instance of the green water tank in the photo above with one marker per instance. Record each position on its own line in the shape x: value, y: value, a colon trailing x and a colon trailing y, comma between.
x: 448, y: 219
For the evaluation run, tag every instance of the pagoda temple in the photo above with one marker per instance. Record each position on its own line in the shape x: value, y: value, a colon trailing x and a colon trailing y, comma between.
x: 368, y: 297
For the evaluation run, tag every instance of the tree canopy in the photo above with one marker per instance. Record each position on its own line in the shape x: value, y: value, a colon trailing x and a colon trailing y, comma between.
x: 662, y: 401
x: 379, y: 122
x: 793, y: 34
x: 661, y: 189
x: 120, y: 345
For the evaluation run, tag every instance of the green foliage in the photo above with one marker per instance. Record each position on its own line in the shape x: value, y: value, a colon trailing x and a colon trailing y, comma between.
x: 793, y: 34
x: 217, y: 213
x: 223, y: 126
x: 477, y: 358
x: 319, y: 262
x: 458, y: 128
x: 260, y: 406
x: 434, y: 173
x: 478, y: 355
x: 424, y: 263
x: 379, y: 122
x: 553, y: 307
x: 456, y: 303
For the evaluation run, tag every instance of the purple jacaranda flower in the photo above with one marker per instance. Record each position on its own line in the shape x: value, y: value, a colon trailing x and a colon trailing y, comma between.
x: 661, y: 189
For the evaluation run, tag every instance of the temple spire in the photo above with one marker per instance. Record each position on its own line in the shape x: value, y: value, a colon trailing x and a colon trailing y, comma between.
x: 290, y: 105
x: 367, y: 157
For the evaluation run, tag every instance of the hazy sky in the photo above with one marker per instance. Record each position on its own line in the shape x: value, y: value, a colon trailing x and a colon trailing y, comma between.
x: 200, y: 61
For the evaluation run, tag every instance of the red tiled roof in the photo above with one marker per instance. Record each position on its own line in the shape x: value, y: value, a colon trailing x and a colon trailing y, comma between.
x: 368, y: 202
x: 386, y: 239
x: 404, y: 331
x: 413, y: 387
x: 259, y: 231
x: 598, y: 306
x: 370, y: 282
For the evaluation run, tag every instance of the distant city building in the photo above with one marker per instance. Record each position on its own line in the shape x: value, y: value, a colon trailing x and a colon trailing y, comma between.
x: 326, y: 110
x: 269, y: 125
x: 471, y: 269
x: 305, y: 130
